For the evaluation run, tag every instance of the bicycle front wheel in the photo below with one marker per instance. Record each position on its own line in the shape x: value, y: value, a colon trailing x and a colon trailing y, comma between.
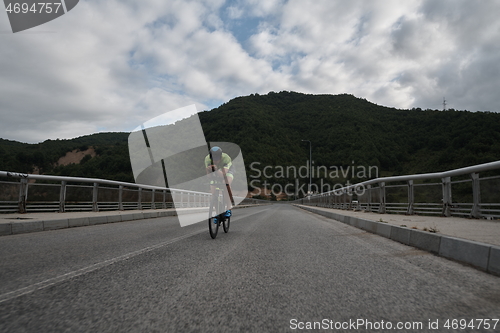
x: 213, y: 227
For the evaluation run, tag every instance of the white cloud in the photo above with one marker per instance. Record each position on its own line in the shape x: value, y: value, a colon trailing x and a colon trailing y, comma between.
x: 234, y: 12
x: 264, y: 7
x: 400, y: 54
x: 111, y: 65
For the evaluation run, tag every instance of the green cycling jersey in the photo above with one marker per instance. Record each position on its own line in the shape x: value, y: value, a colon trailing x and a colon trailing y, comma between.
x: 225, y: 162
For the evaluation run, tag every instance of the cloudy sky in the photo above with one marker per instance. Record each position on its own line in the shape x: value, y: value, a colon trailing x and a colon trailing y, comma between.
x: 110, y: 65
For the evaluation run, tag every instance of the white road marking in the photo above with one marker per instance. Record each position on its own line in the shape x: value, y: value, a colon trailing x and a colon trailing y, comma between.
x: 61, y: 278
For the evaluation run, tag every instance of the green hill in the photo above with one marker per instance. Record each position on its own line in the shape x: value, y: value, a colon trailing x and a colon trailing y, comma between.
x: 345, y: 131
x: 112, y: 160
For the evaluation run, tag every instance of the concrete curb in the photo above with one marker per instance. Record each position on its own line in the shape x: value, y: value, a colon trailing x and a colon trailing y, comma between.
x: 25, y: 226
x: 479, y: 255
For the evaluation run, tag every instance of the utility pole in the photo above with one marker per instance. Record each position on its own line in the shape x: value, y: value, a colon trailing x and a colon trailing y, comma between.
x: 444, y: 104
x: 310, y: 168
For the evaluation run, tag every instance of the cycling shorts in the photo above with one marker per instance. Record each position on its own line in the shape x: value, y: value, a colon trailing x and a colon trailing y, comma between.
x: 229, y: 174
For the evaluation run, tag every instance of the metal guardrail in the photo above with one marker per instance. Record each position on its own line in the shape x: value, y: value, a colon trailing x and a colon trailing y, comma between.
x: 66, y: 194
x: 372, y: 195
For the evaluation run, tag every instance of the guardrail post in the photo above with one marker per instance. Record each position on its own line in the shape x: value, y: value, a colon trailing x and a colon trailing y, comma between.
x: 411, y: 198
x: 369, y: 197
x: 120, y: 197
x: 381, y: 209
x: 446, y: 196
x: 476, y: 196
x: 23, y: 195
x: 62, y: 197
x: 139, y: 201
x: 350, y: 196
x: 95, y: 192
x: 153, y: 200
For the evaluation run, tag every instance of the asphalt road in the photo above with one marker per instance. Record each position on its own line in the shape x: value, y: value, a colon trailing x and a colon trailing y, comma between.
x: 278, y: 269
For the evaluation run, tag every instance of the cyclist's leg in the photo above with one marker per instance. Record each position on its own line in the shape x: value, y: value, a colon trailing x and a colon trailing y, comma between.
x: 212, y: 206
x: 229, y: 177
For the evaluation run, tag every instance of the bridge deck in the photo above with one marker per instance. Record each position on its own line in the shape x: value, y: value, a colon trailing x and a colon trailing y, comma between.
x: 479, y: 230
x: 277, y: 266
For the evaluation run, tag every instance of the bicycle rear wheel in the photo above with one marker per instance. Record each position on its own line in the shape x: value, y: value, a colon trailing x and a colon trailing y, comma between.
x: 225, y: 224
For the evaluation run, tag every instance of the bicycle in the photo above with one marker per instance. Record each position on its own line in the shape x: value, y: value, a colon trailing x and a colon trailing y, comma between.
x: 217, y: 211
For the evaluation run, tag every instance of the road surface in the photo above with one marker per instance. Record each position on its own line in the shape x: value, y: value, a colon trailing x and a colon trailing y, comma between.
x: 279, y: 269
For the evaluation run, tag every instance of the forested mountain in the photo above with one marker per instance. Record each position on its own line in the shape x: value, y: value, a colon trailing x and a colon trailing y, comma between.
x: 344, y: 131
x: 111, y: 161
x: 344, y: 128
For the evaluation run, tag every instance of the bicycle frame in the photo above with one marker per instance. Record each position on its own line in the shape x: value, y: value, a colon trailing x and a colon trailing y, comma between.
x: 217, y: 211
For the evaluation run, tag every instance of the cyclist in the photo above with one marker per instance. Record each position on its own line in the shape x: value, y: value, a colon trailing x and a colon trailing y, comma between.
x: 222, y: 164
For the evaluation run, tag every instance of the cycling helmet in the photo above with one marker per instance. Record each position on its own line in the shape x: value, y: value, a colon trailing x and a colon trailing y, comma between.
x: 216, y: 153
